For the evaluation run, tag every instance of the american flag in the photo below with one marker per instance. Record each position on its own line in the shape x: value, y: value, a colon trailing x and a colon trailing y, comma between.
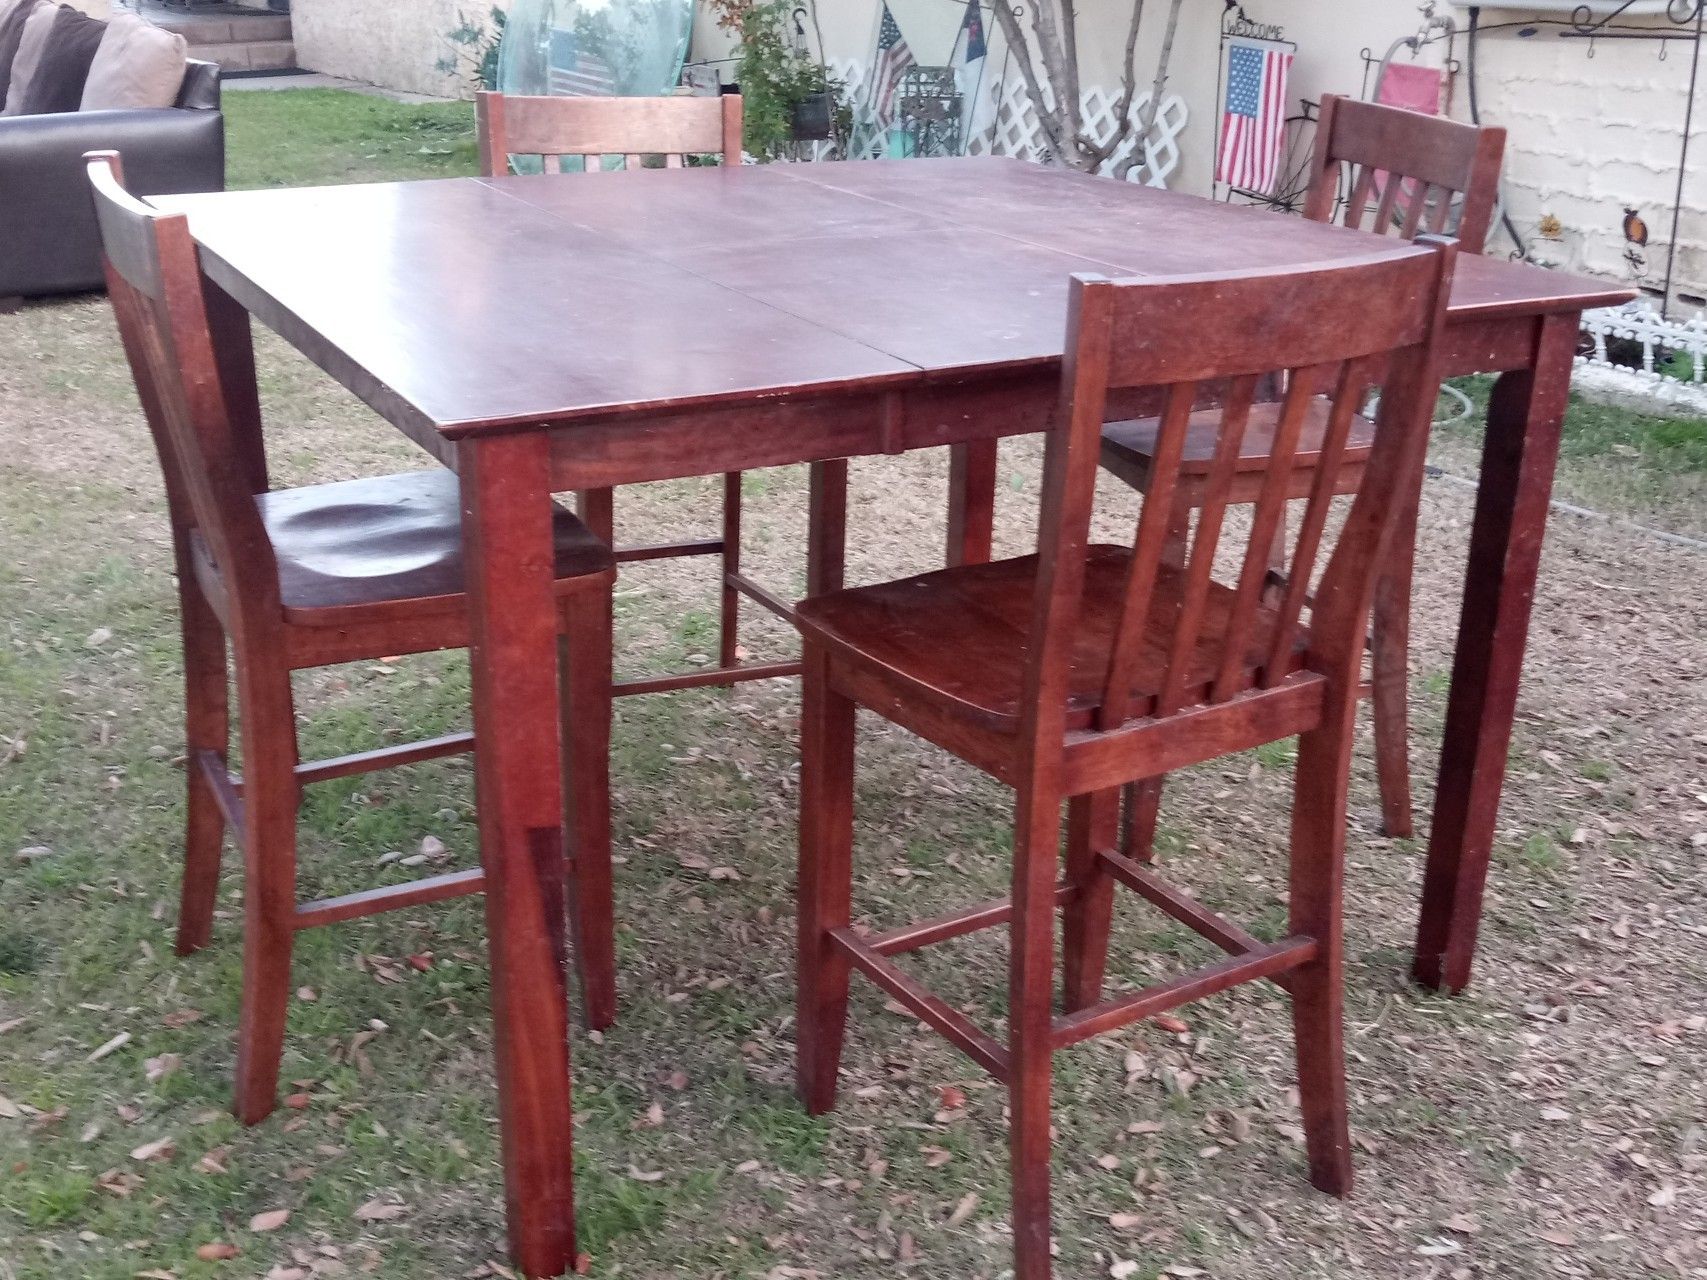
x: 893, y: 59
x: 576, y: 72
x: 1253, y: 124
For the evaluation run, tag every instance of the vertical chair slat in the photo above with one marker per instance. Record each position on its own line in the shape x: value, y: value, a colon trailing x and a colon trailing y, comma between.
x: 1384, y: 210
x: 1354, y: 383
x: 1200, y: 566
x: 1416, y: 196
x: 1152, y: 540
x: 1359, y: 200
x: 1265, y: 523
x: 1442, y: 210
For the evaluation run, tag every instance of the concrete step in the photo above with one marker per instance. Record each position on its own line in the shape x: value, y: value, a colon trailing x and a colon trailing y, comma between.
x: 237, y: 38
x: 224, y: 26
x: 249, y: 55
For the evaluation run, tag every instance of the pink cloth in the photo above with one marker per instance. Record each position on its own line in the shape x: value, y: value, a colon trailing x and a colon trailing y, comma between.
x: 1412, y: 86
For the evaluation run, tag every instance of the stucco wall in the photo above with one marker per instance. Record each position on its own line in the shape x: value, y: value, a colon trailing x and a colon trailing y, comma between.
x: 1591, y: 138
x: 383, y: 42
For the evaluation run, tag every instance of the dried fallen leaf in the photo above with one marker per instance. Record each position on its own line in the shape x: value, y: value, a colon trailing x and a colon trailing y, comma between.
x: 118, y: 1182
x: 214, y: 1161
x: 161, y: 1149
x: 217, y: 1251
x: 180, y: 1018
x: 1122, y: 1269
x: 296, y: 1101
x: 642, y: 1175
x: 963, y: 1210
x: 952, y: 1095
x: 382, y: 1211
x: 271, y: 1220
x: 1462, y: 1223
x: 1125, y: 1221
x: 157, y: 1069
x: 8, y: 1108
x: 1167, y: 1022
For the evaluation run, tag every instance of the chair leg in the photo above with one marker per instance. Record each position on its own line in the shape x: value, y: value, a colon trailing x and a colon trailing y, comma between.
x: 270, y: 796
x: 729, y: 618
x: 207, y: 727
x: 1091, y: 823
x: 825, y: 881
x: 1138, y: 822
x: 584, y: 655
x: 1037, y: 834
x: 1317, y: 879
x: 1390, y: 662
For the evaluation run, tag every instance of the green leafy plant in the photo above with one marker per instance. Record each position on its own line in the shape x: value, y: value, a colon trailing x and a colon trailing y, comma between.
x: 475, y: 48
x: 776, y: 77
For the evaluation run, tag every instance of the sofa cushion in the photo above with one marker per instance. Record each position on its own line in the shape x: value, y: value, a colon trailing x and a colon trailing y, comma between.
x: 53, y: 62
x: 12, y: 16
x: 137, y: 65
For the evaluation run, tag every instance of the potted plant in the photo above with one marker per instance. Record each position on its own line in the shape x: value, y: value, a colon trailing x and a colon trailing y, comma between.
x: 788, y: 97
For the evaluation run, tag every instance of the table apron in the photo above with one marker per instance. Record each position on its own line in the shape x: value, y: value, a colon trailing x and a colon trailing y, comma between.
x: 701, y: 442
x: 1490, y: 346
x: 783, y: 432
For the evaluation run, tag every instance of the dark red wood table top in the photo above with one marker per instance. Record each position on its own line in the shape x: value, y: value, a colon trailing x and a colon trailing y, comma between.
x: 470, y: 304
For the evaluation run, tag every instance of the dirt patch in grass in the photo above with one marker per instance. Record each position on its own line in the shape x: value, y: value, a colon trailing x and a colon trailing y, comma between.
x: 1548, y: 1123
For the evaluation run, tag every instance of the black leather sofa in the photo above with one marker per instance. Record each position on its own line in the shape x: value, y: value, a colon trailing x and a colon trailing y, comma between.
x: 48, y: 239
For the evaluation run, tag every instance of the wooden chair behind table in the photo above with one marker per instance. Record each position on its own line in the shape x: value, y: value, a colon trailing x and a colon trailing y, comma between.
x: 1409, y: 173
x: 308, y: 577
x: 560, y: 129
x: 1071, y: 673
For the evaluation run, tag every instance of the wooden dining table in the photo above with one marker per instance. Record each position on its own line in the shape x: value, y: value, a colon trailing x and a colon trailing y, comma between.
x: 572, y: 332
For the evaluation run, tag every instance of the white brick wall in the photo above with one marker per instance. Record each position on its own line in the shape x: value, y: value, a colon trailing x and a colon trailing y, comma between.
x: 1591, y: 137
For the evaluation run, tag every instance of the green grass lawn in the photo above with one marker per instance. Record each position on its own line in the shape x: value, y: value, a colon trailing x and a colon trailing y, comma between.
x: 1548, y: 1123
x: 310, y: 137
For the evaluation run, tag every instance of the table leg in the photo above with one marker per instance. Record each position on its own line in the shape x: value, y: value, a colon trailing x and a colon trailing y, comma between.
x: 827, y: 527
x: 971, y: 501
x: 1525, y: 417
x: 506, y: 517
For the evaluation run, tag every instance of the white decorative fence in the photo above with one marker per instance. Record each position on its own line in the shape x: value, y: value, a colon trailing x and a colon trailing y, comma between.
x: 1662, y: 340
x: 1004, y: 123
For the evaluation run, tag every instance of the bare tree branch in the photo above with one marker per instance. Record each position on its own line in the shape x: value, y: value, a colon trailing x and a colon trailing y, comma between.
x: 1048, y: 57
x: 1147, y: 117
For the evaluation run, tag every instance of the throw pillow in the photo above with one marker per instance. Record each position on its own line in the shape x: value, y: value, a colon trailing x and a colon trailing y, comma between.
x: 53, y: 62
x: 13, y: 13
x: 137, y: 65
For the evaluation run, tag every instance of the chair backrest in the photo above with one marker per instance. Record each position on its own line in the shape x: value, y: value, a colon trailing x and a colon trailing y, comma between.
x: 155, y: 284
x: 592, y: 128
x: 1333, y: 332
x: 1408, y: 167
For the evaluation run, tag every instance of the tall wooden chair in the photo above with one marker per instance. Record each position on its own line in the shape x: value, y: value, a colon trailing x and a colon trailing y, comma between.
x: 559, y: 129
x: 1072, y: 672
x: 298, y: 578
x: 1411, y: 173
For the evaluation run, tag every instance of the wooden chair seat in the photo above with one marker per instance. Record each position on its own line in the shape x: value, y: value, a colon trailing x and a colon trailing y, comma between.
x: 1129, y: 450
x: 365, y: 550
x: 896, y: 629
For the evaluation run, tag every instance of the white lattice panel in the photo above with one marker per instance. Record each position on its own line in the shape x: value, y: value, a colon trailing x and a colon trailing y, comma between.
x: 1639, y: 322
x: 1014, y: 131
